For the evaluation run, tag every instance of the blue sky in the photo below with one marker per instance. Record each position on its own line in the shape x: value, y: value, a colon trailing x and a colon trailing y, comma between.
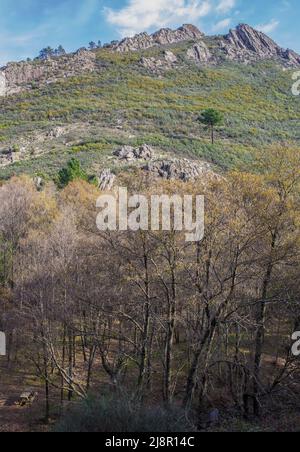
x: 26, y: 26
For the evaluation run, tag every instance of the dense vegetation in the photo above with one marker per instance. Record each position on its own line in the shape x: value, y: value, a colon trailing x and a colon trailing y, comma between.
x: 201, y: 326
x: 256, y: 101
x: 142, y: 331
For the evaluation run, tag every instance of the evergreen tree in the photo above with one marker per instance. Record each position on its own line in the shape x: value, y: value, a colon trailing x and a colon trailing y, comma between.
x: 211, y: 118
x: 72, y: 172
x: 46, y: 53
x: 92, y: 45
x: 60, y: 51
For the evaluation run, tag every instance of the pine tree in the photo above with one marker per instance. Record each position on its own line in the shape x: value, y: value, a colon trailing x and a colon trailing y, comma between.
x: 211, y: 118
x: 92, y: 45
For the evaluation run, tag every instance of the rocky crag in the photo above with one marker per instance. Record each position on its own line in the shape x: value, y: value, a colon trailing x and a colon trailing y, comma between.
x: 163, y: 37
x: 247, y: 44
x: 16, y: 77
x: 244, y: 44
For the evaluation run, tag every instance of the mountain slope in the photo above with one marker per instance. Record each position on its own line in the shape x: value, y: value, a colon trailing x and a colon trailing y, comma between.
x: 151, y: 96
x: 244, y: 44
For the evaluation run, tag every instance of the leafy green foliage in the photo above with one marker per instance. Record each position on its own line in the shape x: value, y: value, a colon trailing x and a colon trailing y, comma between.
x: 211, y: 118
x: 72, y: 172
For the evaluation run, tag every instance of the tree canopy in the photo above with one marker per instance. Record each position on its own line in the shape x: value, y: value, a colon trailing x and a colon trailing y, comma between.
x: 211, y: 118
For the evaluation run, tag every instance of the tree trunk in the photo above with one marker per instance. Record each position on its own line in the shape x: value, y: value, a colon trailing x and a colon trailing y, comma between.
x: 171, y: 324
x: 63, y: 365
x: 260, y: 334
x: 70, y: 352
x: 146, y: 328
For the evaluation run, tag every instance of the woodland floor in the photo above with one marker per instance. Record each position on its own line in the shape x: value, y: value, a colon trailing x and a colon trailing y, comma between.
x: 14, y: 418
x: 281, y: 414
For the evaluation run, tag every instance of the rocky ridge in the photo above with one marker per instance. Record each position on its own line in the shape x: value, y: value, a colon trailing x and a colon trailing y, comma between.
x: 247, y: 44
x: 16, y: 77
x: 163, y: 37
x: 244, y: 44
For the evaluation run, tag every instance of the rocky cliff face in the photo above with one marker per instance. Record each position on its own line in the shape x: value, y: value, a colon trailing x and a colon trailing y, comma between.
x: 247, y: 44
x: 162, y: 37
x: 243, y: 44
x: 18, y: 76
x: 246, y: 38
x: 200, y: 53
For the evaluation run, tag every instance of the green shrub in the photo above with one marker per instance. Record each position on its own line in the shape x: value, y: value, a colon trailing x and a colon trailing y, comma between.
x: 72, y: 172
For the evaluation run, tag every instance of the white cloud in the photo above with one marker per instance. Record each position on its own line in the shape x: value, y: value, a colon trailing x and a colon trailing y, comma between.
x: 225, y: 6
x: 222, y: 25
x: 142, y: 15
x: 268, y: 27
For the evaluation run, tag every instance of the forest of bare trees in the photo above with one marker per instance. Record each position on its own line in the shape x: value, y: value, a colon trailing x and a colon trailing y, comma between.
x: 198, y: 325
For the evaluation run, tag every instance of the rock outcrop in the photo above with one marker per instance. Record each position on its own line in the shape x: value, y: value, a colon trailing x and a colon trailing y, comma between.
x: 130, y: 154
x: 170, y: 169
x: 16, y: 77
x: 179, y: 169
x: 170, y: 58
x: 243, y: 44
x: 6, y: 158
x: 34, y: 144
x: 200, y: 53
x: 292, y: 57
x: 165, y: 36
x: 2, y: 84
x: 245, y: 37
x: 11, y: 155
x: 39, y: 183
x: 106, y: 180
x: 168, y: 61
x: 247, y: 44
x: 56, y: 132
